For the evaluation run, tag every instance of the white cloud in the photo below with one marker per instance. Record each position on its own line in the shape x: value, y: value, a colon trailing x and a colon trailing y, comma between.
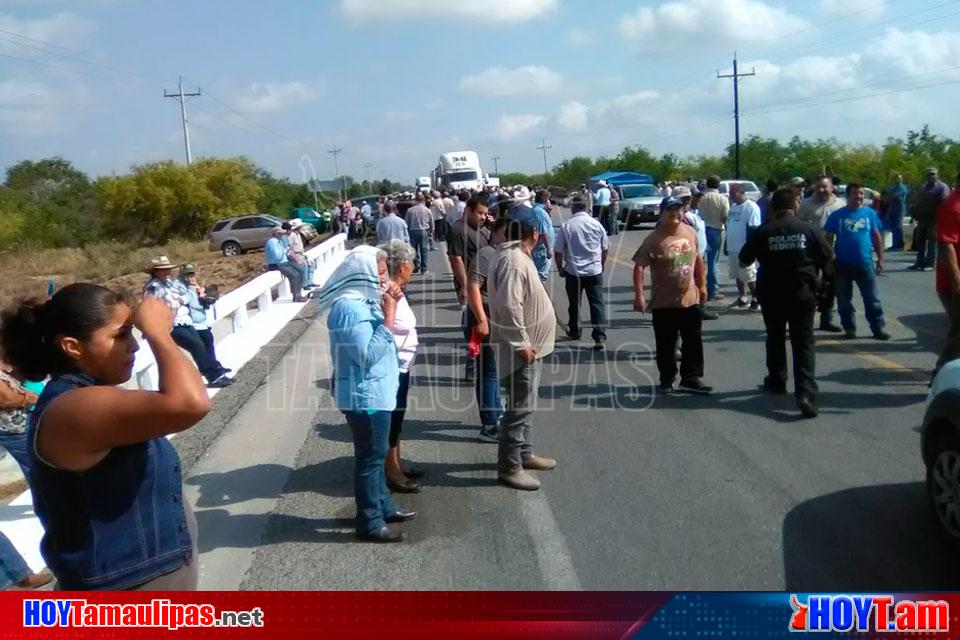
x: 275, y: 96
x: 512, y: 126
x: 573, y: 116
x: 399, y: 117
x: 674, y: 25
x: 34, y: 108
x: 501, y: 11
x: 581, y: 37
x: 865, y: 8
x: 499, y: 82
x: 61, y: 28
x: 914, y: 52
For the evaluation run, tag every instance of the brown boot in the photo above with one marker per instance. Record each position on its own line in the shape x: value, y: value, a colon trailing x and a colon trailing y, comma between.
x: 33, y: 581
x: 519, y: 479
x: 538, y: 463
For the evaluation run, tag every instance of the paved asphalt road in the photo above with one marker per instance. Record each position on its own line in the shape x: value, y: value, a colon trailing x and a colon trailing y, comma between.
x: 730, y: 491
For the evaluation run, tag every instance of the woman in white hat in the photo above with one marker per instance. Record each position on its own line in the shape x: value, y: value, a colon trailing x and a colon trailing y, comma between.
x: 297, y: 254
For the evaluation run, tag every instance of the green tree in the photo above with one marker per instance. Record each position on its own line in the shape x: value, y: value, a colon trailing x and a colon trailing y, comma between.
x: 165, y: 200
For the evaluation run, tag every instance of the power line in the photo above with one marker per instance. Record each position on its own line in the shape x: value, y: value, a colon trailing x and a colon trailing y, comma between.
x: 240, y: 114
x: 183, y: 114
x: 66, y: 56
x: 57, y: 67
x: 543, y: 147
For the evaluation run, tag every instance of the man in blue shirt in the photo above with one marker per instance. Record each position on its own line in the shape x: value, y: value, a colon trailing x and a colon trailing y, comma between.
x: 277, y: 260
x: 857, y: 232
x: 895, y: 205
x: 543, y: 253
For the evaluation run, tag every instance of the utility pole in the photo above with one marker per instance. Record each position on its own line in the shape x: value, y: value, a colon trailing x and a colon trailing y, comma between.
x: 367, y: 167
x: 496, y: 165
x: 336, y: 169
x: 543, y: 147
x: 736, y: 75
x: 183, y: 114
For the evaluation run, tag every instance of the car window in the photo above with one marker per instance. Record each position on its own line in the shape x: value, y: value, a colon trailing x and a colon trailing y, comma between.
x: 266, y: 223
x: 220, y: 225
x: 749, y: 186
x: 245, y: 223
x: 640, y: 191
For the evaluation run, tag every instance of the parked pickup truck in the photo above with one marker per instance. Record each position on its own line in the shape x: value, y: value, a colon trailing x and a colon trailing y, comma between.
x: 639, y: 203
x: 320, y: 221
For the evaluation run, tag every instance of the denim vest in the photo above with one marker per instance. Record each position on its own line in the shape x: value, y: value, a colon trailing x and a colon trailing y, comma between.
x: 120, y: 523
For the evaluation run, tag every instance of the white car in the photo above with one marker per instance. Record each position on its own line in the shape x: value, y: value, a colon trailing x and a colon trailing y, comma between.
x: 752, y: 190
x: 940, y: 447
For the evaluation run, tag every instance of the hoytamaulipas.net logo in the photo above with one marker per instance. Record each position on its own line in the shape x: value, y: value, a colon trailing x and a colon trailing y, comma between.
x: 868, y: 613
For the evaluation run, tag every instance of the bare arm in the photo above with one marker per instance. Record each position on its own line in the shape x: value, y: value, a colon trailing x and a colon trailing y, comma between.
x: 948, y: 256
x: 475, y: 302
x: 11, y: 398
x: 80, y: 427
x: 878, y: 247
x: 459, y: 274
x: 639, y: 301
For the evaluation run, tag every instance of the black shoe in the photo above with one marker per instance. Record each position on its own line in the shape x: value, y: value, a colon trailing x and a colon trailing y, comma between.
x: 599, y: 344
x: 850, y: 334
x: 220, y: 383
x: 382, y: 535
x: 401, y: 516
x: 775, y: 387
x: 915, y: 267
x: 573, y: 336
x: 808, y: 407
x: 489, y: 433
x: 881, y: 335
x: 414, y: 474
x: 299, y: 299
x: 696, y: 385
x: 665, y: 389
x: 708, y: 315
x: 830, y: 327
x: 407, y: 486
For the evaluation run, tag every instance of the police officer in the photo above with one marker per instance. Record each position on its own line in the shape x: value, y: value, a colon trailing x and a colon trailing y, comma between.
x: 792, y: 253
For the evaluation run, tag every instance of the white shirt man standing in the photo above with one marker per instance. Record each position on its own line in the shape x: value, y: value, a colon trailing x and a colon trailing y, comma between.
x: 743, y: 220
x: 581, y: 253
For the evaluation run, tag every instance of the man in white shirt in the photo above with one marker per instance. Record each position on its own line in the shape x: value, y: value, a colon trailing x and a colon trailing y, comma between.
x: 601, y: 204
x: 744, y: 218
x: 439, y: 212
x: 581, y: 252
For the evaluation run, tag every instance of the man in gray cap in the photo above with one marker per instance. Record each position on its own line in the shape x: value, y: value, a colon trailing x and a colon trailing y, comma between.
x: 523, y: 327
x: 925, y: 204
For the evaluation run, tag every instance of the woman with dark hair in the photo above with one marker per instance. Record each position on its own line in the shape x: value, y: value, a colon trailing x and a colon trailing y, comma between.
x: 105, y: 480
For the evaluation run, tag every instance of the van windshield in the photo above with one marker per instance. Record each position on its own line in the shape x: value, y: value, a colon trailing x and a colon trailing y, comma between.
x: 460, y: 176
x: 640, y: 191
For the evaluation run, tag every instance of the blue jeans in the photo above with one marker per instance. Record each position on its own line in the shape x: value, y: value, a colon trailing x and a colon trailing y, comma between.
x: 187, y: 337
x: 894, y: 224
x: 487, y: 382
x: 13, y: 568
x: 418, y: 240
x: 844, y: 276
x: 714, y: 248
x: 370, y: 442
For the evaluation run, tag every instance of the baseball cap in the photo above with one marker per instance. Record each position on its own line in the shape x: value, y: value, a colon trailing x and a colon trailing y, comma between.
x: 933, y: 171
x: 523, y: 214
x: 670, y: 201
x: 798, y: 181
x: 682, y: 192
x: 188, y: 269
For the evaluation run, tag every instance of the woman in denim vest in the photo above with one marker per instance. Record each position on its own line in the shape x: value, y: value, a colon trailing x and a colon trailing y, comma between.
x: 106, y: 482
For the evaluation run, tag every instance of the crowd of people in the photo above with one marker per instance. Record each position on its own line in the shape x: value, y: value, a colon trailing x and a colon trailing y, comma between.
x: 96, y: 455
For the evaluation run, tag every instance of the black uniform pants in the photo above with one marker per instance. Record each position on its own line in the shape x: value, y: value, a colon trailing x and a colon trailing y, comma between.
x: 800, y: 321
x: 688, y: 324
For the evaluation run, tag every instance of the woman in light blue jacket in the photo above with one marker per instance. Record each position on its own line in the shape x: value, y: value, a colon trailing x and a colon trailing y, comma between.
x: 365, y: 381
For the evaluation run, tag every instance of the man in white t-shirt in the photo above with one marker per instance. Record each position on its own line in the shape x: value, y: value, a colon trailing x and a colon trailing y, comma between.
x: 744, y: 219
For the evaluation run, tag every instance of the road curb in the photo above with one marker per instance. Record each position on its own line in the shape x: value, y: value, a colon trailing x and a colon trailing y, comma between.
x: 193, y: 443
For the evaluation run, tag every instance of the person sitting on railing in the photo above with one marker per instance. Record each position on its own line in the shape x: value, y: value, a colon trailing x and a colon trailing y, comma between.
x: 199, y: 300
x: 276, y: 251
x: 296, y: 252
x: 164, y: 285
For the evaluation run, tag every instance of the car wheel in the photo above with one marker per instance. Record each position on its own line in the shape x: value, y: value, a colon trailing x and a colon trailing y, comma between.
x: 943, y: 485
x: 230, y: 249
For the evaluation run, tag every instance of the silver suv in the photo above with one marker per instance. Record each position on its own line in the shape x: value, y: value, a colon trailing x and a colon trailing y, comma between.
x: 233, y: 236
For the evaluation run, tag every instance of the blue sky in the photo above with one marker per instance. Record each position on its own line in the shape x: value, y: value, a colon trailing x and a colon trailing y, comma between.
x: 397, y: 82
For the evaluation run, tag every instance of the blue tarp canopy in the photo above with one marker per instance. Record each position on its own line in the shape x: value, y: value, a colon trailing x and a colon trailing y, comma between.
x: 615, y: 178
